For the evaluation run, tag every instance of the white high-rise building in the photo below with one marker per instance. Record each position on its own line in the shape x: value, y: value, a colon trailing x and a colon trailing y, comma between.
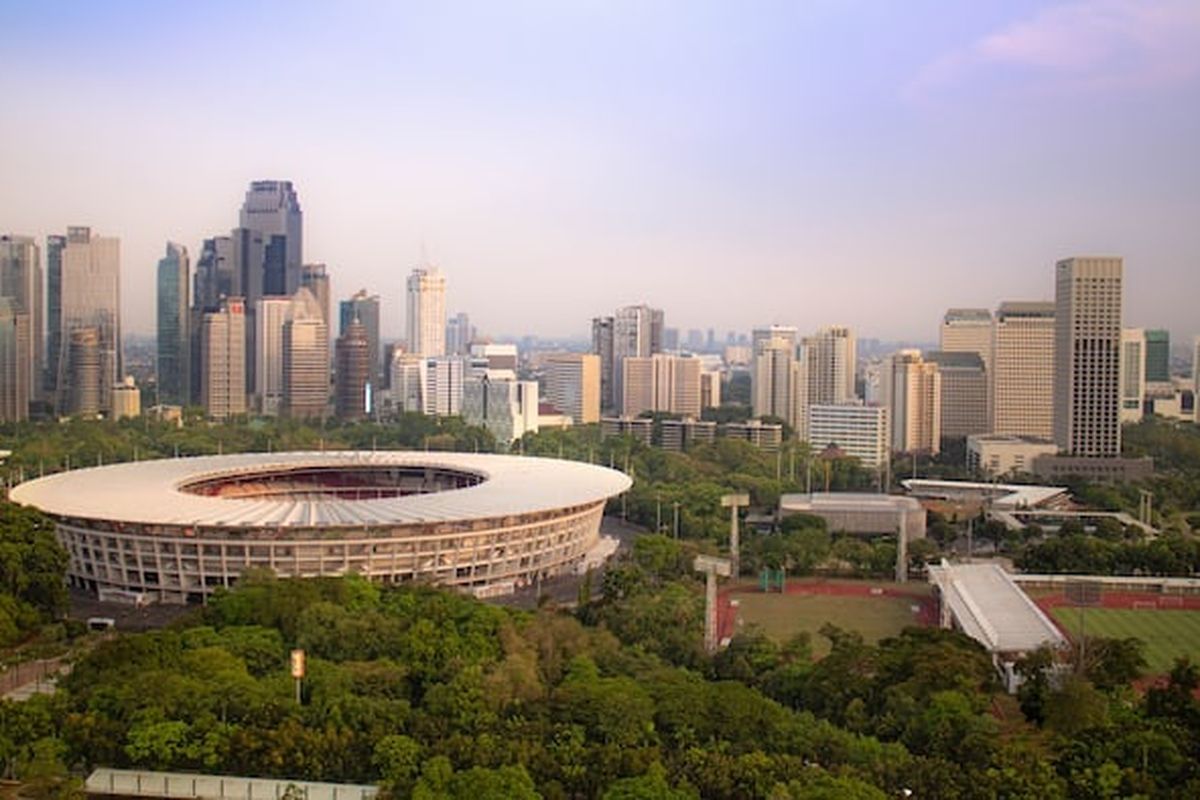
x: 222, y: 359
x: 1087, y: 339
x: 914, y: 393
x: 830, y: 356
x: 269, y: 319
x: 1133, y: 373
x: 507, y: 407
x: 1021, y: 377
x: 305, y: 358
x: 857, y: 430
x: 407, y: 381
x: 426, y: 308
x: 91, y: 299
x: 775, y: 379
x: 637, y: 332
x: 442, y: 387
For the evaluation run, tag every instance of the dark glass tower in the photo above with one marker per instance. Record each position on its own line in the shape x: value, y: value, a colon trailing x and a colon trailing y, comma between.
x: 174, y: 329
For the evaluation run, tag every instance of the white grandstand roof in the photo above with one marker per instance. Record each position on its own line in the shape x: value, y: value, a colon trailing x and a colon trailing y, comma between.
x: 991, y: 609
x: 1003, y: 495
x: 148, y: 492
x: 843, y: 501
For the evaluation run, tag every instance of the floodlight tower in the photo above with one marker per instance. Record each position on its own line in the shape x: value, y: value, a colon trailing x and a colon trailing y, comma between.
x: 733, y: 502
x: 902, y: 549
x: 711, y: 566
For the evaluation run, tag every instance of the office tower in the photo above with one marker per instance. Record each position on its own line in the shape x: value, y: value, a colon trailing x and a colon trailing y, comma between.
x: 670, y: 339
x: 710, y: 390
x: 80, y: 379
x: 426, y: 320
x: 15, y: 374
x: 505, y: 406
x: 174, y: 327
x: 677, y: 384
x: 442, y: 386
x: 407, y: 381
x: 637, y: 333
x: 830, y: 357
x: 272, y: 251
x: 1022, y: 370
x: 459, y: 335
x: 1158, y: 356
x: 126, y: 399
x: 353, y: 371
x: 365, y: 308
x: 573, y: 385
x: 637, y: 382
x: 1134, y: 344
x: 858, y: 430
x: 775, y: 378
x: 602, y: 348
x: 967, y: 330
x: 91, y: 298
x: 964, y: 392
x: 54, y: 248
x: 695, y: 340
x: 305, y: 358
x: 913, y: 388
x: 1087, y: 338
x: 315, y: 278
x: 270, y: 317
x: 217, y: 275
x: 222, y: 358
x: 21, y: 282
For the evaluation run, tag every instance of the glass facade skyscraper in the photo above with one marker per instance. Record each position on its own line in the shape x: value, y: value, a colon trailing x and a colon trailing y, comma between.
x: 174, y: 328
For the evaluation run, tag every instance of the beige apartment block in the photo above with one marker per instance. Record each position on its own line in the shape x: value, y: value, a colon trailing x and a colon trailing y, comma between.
x: 1021, y: 378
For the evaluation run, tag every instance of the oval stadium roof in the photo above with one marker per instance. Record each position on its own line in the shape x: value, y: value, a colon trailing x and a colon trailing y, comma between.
x: 149, y: 493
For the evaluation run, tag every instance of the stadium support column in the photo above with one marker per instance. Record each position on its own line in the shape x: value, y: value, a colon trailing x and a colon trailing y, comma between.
x: 733, y: 502
x: 902, y: 549
x: 711, y: 567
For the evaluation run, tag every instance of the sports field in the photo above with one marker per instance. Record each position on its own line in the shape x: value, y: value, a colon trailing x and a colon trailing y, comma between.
x: 854, y: 608
x: 1166, y: 633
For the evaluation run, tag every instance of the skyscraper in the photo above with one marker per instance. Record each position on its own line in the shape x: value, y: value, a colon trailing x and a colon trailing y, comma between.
x: 365, y: 308
x: 1021, y: 378
x: 174, y: 327
x: 80, y: 381
x: 222, y: 356
x: 602, y: 348
x: 459, y: 335
x: 573, y: 385
x: 964, y: 392
x: 426, y: 306
x: 305, y: 358
x: 14, y: 361
x: 315, y: 278
x: 21, y: 282
x: 217, y: 275
x: 353, y: 370
x: 270, y: 317
x: 913, y: 388
x: 1133, y: 373
x: 967, y: 330
x: 1087, y: 338
x: 830, y: 357
x: 776, y: 379
x: 1158, y: 356
x: 91, y: 298
x: 54, y: 248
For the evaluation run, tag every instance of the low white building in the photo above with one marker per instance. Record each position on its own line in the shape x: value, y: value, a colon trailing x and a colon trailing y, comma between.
x: 1006, y: 454
x: 860, y: 513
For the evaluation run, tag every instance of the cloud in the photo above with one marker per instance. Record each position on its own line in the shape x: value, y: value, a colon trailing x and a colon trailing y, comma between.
x: 1097, y: 44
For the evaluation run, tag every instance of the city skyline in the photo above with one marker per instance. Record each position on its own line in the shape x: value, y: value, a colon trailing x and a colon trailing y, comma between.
x: 649, y: 157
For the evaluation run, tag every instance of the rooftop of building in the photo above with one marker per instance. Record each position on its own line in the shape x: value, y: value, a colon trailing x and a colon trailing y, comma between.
x: 847, y: 501
x: 1001, y: 495
x: 949, y: 359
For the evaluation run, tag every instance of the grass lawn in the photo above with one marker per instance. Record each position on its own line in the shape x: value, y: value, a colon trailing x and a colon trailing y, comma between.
x: 1167, y: 634
x: 782, y: 616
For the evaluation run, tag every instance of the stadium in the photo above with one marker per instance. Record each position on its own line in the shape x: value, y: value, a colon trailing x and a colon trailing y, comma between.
x: 176, y: 530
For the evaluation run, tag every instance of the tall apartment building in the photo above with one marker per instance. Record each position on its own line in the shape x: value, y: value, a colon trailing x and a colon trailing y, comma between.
x: 858, y: 430
x: 173, y: 343
x: 406, y: 382
x: 572, y: 382
x: 913, y: 388
x: 222, y: 357
x: 442, y: 386
x: 964, y: 397
x: 661, y: 382
x: 1087, y: 337
x: 426, y: 306
x: 305, y: 358
x: 830, y: 356
x: 1022, y: 370
x: 1158, y: 356
x: 459, y: 334
x: 21, y: 282
x: 967, y: 330
x: 15, y: 375
x: 775, y: 379
x: 353, y: 371
x: 637, y: 382
x: 54, y: 249
x: 632, y: 332
x: 90, y: 292
x: 365, y: 308
x: 1133, y: 373
x: 270, y: 317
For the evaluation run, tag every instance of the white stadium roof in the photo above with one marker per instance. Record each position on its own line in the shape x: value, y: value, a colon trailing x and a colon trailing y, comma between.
x: 149, y: 493
x: 992, y: 609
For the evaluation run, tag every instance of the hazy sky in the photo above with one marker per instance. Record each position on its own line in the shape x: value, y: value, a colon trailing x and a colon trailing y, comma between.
x: 829, y: 161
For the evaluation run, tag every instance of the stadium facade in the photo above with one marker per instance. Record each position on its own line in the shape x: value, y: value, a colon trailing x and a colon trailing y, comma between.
x: 176, y: 530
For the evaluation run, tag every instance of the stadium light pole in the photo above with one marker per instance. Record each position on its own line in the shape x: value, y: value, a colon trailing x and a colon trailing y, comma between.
x: 733, y: 502
x: 711, y: 566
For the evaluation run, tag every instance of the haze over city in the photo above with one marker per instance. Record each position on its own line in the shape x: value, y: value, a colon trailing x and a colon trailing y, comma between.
x: 865, y: 163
